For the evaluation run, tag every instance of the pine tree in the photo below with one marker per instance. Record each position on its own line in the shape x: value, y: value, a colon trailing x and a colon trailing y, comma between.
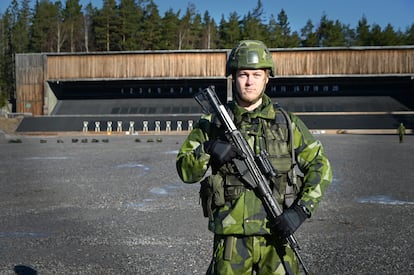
x: 331, y: 33
x: 409, y: 36
x: 283, y: 22
x: 6, y: 61
x: 229, y: 32
x: 274, y: 33
x: 309, y: 36
x: 169, y: 30
x: 196, y: 31
x: 208, y: 33
x: 88, y: 33
x: 376, y: 36
x: 20, y: 29
x: 390, y: 37
x: 46, y: 29
x: 184, y: 31
x: 74, y: 25
x: 106, y: 27
x: 363, y: 35
x: 137, y: 25
x: 252, y: 23
x: 151, y: 27
x: 131, y: 17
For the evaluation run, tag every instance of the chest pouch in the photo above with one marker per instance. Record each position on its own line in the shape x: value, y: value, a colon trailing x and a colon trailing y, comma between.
x: 278, y: 141
x: 277, y: 145
x: 233, y: 188
x: 211, y: 194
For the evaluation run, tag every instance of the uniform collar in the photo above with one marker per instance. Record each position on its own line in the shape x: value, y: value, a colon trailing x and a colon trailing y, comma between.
x: 265, y: 110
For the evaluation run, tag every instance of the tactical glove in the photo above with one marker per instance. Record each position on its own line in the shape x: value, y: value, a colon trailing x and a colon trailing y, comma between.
x: 290, y: 220
x: 221, y: 152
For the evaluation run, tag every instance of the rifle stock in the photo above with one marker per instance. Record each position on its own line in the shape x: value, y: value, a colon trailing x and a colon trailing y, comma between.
x: 253, y: 169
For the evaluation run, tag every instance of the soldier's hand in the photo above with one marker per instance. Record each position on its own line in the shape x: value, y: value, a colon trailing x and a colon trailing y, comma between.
x: 290, y: 220
x: 221, y: 152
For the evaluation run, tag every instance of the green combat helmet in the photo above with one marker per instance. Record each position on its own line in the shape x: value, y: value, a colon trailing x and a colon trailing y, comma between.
x: 250, y: 54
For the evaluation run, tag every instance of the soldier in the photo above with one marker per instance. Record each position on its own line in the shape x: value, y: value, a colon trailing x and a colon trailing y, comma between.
x: 401, y: 132
x: 244, y: 241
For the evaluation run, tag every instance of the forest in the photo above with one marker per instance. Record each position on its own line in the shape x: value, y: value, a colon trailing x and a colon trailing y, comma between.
x: 132, y: 25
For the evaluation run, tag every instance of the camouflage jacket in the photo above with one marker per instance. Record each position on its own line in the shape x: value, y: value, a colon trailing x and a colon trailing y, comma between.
x: 245, y: 214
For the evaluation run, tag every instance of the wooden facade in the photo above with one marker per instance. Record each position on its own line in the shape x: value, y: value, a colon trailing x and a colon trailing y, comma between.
x: 133, y: 65
x: 30, y: 81
x: 33, y: 71
x: 344, y: 61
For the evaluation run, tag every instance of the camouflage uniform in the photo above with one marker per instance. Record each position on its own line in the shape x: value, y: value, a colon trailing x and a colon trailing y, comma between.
x: 243, y: 239
x: 244, y: 217
x: 401, y: 132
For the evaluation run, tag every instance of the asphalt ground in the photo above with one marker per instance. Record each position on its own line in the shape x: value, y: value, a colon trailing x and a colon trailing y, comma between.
x: 113, y: 205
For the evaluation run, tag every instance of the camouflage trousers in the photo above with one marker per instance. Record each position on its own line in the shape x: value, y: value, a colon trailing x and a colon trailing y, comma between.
x: 252, y: 255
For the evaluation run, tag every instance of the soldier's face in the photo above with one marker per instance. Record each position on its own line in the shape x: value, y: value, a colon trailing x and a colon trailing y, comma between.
x: 250, y: 86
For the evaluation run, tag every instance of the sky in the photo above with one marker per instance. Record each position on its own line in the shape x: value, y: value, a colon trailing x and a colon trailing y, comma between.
x: 398, y: 13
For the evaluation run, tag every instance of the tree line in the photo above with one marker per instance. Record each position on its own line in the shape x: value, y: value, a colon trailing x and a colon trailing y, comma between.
x: 127, y: 25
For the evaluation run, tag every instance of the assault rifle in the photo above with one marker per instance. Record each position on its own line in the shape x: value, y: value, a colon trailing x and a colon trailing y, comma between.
x: 255, y: 170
